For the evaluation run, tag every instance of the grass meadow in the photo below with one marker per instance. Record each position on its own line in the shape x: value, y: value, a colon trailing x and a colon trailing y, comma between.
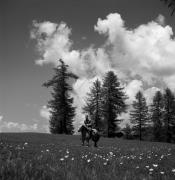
x: 30, y: 156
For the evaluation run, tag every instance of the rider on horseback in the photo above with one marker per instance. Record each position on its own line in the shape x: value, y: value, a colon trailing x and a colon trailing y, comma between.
x: 87, y: 123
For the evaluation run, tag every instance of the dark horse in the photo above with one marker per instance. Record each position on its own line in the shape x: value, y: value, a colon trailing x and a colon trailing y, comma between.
x: 87, y: 134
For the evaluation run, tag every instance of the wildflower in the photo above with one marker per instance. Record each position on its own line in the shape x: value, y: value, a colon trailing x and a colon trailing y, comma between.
x: 66, y: 156
x: 105, y: 163
x: 147, y: 166
x: 88, y: 160
x: 162, y: 172
x: 173, y: 170
x: 72, y: 159
x: 47, y: 150
x: 137, y: 167
x: 111, y: 153
x: 155, y: 165
x: 25, y: 143
x: 162, y: 157
x: 61, y: 159
x: 151, y: 169
x: 121, y: 163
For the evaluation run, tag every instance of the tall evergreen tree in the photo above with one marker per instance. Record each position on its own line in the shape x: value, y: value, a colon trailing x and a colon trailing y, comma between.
x: 170, y: 4
x: 113, y: 101
x: 61, y: 109
x: 139, y: 114
x: 93, y: 104
x: 169, y: 114
x: 156, y: 112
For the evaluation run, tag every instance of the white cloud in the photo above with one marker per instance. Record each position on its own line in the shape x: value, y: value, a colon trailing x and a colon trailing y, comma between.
x: 161, y: 19
x: 143, y: 57
x: 10, y: 126
x: 146, y: 50
x: 1, y: 117
x: 44, y: 112
x: 132, y: 88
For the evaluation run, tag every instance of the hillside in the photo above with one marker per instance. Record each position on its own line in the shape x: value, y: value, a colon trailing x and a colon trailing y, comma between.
x: 45, y: 156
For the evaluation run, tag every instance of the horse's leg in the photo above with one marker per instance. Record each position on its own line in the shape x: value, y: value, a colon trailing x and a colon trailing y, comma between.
x: 88, y: 142
x: 83, y: 141
x: 95, y: 144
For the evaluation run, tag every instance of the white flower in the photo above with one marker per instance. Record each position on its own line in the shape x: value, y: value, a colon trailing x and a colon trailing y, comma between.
x: 155, y: 165
x: 173, y: 170
x: 72, y: 159
x: 147, y: 166
x: 25, y: 143
x: 137, y: 167
x: 162, y: 172
x: 66, y: 156
x: 61, y: 159
x: 111, y: 153
x: 151, y: 169
x: 88, y: 160
x: 47, y: 150
x: 162, y: 156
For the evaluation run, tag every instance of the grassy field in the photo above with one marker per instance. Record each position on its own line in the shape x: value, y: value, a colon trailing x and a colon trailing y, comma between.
x: 32, y: 156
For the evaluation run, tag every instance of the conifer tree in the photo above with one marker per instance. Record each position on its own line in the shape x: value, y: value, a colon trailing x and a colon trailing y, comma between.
x: 170, y: 4
x: 156, y: 112
x: 113, y: 101
x: 93, y: 104
x: 61, y: 109
x: 169, y: 114
x: 139, y: 114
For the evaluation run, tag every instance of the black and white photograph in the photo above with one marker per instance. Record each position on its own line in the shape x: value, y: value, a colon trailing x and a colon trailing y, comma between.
x: 87, y: 89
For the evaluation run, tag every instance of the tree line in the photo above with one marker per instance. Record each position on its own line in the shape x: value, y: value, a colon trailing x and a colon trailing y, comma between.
x: 104, y: 104
x: 156, y: 121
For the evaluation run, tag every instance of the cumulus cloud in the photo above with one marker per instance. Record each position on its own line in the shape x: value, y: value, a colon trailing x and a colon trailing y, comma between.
x: 146, y: 50
x: 10, y: 126
x: 44, y: 112
x: 143, y: 57
x: 160, y: 19
x: 1, y: 117
x: 132, y: 88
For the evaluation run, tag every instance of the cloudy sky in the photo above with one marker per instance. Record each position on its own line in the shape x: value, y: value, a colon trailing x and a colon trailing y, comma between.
x: 133, y: 38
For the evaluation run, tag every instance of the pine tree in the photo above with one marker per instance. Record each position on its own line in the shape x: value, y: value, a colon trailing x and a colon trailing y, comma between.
x: 156, y: 112
x: 139, y: 114
x: 169, y: 114
x: 93, y: 104
x: 170, y: 4
x: 113, y: 101
x: 61, y: 109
